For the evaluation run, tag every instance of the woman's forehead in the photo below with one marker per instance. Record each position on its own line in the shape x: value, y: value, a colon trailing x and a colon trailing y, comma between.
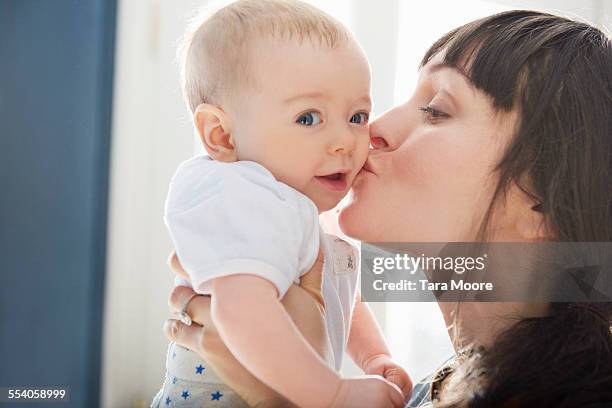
x: 437, y: 64
x: 441, y: 79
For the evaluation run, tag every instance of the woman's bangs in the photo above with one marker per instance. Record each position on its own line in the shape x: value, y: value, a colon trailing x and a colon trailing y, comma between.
x: 495, y: 51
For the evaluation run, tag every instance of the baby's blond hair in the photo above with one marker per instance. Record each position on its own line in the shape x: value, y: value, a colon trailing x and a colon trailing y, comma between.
x: 214, y: 53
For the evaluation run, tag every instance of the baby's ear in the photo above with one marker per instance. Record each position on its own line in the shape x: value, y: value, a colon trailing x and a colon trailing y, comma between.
x: 214, y: 128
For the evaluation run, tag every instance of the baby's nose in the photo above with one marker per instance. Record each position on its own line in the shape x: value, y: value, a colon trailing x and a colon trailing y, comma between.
x: 344, y: 142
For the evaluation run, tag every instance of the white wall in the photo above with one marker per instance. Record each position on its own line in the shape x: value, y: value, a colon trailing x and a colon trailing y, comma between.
x: 151, y: 136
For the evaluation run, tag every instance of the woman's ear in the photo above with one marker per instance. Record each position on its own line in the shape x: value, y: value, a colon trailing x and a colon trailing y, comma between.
x: 531, y: 222
x: 214, y: 129
x: 523, y: 218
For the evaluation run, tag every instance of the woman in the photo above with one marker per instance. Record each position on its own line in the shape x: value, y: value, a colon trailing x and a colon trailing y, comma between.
x: 507, y: 138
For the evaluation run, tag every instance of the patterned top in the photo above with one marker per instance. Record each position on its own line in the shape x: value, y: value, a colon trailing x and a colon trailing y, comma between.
x: 427, y: 390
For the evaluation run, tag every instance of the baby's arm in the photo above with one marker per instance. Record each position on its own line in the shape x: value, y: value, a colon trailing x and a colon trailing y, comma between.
x: 368, y: 348
x: 365, y: 341
x: 258, y: 331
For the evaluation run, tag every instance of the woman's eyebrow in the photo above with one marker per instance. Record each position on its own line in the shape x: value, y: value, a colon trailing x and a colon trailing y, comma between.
x: 455, y: 68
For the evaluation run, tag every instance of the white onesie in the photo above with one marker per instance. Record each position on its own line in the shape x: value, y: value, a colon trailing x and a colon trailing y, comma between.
x: 229, y: 218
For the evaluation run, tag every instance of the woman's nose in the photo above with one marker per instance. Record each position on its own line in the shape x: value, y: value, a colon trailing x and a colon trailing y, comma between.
x: 387, y: 130
x: 378, y: 142
x: 377, y: 137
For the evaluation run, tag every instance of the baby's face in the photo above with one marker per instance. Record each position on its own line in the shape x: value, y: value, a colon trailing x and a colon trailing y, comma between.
x: 306, y: 119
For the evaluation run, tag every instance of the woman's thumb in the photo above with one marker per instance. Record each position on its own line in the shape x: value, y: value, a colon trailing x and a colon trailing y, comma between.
x: 311, y: 281
x: 397, y: 397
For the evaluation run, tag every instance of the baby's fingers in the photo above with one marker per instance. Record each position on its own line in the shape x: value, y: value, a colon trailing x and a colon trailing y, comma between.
x: 400, y: 378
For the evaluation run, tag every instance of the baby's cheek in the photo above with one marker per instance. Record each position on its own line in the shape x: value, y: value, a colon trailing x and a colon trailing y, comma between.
x: 287, y: 165
x: 361, y: 154
x: 303, y: 170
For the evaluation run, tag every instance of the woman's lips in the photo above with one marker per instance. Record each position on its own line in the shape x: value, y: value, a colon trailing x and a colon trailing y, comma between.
x: 334, y: 182
x: 366, y: 167
x: 361, y: 176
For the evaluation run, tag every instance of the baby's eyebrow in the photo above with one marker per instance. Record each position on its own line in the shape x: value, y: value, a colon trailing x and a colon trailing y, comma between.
x: 365, y: 99
x: 306, y: 95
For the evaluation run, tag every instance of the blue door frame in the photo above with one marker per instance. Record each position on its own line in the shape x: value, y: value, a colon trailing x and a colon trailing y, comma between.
x: 56, y: 69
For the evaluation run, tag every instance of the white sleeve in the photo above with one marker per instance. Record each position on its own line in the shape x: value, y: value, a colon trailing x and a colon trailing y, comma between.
x: 235, y: 218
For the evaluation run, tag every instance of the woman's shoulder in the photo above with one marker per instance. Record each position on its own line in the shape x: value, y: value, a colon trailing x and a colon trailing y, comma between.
x: 423, y: 390
x: 420, y: 394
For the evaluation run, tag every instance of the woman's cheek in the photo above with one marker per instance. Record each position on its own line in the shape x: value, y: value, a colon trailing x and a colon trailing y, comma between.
x: 428, y: 177
x: 439, y: 156
x: 415, y: 166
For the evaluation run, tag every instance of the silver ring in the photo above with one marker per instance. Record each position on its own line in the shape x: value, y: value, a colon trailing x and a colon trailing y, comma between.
x: 185, y: 318
x: 183, y: 315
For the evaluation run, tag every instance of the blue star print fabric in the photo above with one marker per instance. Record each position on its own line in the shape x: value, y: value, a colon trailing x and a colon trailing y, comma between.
x: 190, y: 382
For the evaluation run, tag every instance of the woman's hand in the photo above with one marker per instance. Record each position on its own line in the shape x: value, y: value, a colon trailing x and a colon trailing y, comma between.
x: 303, y: 303
x: 203, y: 338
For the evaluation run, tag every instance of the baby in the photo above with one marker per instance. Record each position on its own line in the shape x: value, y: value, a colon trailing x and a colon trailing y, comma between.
x: 280, y: 95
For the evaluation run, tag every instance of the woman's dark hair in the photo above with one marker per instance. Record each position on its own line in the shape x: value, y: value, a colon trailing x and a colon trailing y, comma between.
x: 557, y: 74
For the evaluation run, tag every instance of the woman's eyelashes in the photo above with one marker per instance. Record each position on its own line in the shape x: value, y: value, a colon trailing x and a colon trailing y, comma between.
x: 433, y: 115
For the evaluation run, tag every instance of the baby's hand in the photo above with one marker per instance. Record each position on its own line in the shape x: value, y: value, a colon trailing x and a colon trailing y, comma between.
x: 368, y: 392
x: 384, y: 366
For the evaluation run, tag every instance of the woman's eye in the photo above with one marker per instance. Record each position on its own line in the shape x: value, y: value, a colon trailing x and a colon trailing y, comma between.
x: 309, y: 119
x: 432, y: 114
x: 359, y: 118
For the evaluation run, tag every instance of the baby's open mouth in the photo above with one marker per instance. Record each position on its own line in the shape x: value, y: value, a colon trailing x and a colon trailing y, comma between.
x: 334, y: 181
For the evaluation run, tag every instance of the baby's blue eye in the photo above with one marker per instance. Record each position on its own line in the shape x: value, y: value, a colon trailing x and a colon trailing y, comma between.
x: 309, y: 119
x: 359, y: 118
